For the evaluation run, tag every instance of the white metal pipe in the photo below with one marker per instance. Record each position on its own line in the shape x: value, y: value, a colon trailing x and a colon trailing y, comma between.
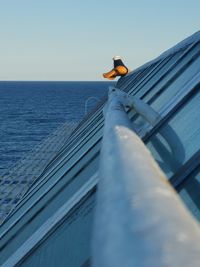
x: 145, y: 110
x: 139, y: 220
x: 87, y: 101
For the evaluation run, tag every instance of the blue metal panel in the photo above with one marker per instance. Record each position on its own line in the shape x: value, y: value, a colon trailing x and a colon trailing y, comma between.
x: 58, y: 171
x: 48, y: 204
x: 174, y: 74
x: 171, y: 91
x: 179, y: 139
x: 69, y: 244
x: 158, y: 75
x: 190, y: 193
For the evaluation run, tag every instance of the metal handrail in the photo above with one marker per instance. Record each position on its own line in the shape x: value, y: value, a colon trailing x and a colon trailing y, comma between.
x: 87, y: 101
x: 140, y: 219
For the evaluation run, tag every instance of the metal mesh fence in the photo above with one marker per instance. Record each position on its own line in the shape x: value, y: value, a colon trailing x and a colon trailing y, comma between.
x: 15, y: 183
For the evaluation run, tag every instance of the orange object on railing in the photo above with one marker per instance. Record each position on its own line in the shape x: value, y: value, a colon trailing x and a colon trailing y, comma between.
x: 119, y: 69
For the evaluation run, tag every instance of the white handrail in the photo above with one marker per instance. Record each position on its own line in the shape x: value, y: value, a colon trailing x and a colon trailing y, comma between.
x: 140, y: 220
x: 87, y: 101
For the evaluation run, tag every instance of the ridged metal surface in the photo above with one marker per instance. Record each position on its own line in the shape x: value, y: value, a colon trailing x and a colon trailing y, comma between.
x: 20, y: 178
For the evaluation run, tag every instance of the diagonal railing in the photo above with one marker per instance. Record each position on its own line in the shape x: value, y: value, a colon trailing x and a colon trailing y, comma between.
x: 140, y: 219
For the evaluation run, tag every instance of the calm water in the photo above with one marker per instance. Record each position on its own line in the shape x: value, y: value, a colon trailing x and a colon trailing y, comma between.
x: 30, y: 111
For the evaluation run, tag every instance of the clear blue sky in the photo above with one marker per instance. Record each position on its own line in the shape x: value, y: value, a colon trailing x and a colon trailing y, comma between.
x: 76, y: 39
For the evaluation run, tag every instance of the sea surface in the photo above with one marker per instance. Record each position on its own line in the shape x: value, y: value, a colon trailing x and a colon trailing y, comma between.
x: 31, y: 111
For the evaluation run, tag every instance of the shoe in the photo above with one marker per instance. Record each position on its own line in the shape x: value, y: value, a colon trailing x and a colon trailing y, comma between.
x: 111, y: 75
x: 119, y: 69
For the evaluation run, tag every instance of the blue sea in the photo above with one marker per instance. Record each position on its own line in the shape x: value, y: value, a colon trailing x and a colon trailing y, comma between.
x: 31, y: 111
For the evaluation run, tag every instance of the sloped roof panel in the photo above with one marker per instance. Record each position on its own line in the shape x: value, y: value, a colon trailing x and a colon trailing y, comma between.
x: 170, y: 84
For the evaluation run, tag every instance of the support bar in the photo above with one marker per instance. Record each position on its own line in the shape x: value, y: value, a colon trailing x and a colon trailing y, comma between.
x: 145, y: 110
x: 140, y: 220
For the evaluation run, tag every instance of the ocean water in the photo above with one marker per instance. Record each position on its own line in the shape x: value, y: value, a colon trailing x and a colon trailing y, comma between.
x: 31, y: 111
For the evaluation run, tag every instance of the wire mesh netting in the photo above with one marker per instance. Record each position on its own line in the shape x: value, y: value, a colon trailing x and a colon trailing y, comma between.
x: 15, y: 183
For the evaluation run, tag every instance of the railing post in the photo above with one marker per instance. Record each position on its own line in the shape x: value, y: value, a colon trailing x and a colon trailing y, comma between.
x: 140, y: 220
